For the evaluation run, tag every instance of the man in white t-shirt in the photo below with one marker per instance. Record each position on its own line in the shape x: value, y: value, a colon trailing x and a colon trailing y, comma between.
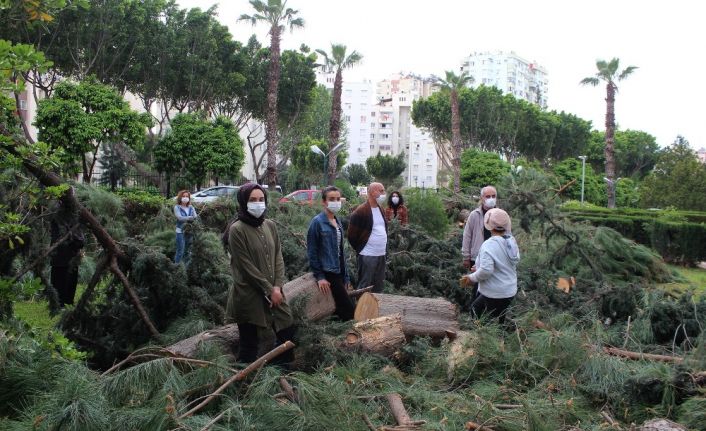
x: 367, y: 234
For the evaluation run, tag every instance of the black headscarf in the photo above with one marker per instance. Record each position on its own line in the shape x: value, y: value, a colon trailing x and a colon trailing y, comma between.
x: 243, y: 196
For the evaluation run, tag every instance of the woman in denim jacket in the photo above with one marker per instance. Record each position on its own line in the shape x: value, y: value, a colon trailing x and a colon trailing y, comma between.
x: 325, y: 250
x: 185, y: 213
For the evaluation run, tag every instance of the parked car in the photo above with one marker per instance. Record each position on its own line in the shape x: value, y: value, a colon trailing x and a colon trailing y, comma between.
x: 302, y: 197
x: 278, y: 189
x: 212, y: 193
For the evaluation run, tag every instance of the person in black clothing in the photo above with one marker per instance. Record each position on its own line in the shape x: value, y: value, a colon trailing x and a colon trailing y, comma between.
x: 66, y: 257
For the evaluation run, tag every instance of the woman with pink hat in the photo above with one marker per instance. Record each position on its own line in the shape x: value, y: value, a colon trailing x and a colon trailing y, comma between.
x: 496, y: 267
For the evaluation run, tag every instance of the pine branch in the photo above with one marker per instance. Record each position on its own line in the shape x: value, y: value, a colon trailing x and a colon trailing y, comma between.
x: 241, y: 375
x: 133, y: 297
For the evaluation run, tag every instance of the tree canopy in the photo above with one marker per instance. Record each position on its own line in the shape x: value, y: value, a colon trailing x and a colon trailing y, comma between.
x: 386, y: 169
x: 79, y: 118
x: 678, y: 180
x: 199, y: 149
x: 491, y: 121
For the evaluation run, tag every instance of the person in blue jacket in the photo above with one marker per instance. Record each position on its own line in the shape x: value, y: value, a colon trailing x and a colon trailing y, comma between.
x: 324, y: 244
x: 185, y: 213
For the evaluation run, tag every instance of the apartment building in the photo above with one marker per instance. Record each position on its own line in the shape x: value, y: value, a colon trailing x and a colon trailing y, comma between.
x: 356, y: 104
x: 392, y: 131
x: 510, y: 73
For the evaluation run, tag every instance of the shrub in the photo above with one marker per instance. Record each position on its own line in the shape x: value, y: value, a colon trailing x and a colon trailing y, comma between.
x: 427, y: 210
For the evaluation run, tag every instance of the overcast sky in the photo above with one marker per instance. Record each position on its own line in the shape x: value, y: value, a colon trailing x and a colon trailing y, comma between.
x: 665, y: 39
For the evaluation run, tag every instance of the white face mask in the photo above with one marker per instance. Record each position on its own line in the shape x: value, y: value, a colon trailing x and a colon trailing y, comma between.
x: 334, y: 206
x: 256, y: 209
x: 184, y: 200
x: 395, y: 200
x: 381, y: 199
x: 490, y: 203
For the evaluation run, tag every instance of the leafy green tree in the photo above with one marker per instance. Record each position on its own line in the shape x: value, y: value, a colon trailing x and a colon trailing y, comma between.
x: 113, y: 167
x: 295, y: 96
x: 608, y: 73
x: 337, y: 60
x: 627, y: 193
x: 636, y: 152
x: 386, y: 169
x: 481, y: 168
x: 79, y: 118
x: 426, y: 209
x: 312, y: 164
x: 200, y: 149
x: 452, y: 84
x: 568, y: 174
x: 278, y: 16
x: 678, y: 180
x: 571, y: 138
x: 357, y: 174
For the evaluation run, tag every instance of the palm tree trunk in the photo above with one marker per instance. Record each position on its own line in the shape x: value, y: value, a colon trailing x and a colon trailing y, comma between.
x: 456, y: 141
x: 609, y: 143
x: 335, y: 125
x: 271, y: 116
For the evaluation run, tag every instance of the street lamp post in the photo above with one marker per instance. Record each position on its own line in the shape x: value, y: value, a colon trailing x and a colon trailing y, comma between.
x: 583, y: 175
x: 315, y: 149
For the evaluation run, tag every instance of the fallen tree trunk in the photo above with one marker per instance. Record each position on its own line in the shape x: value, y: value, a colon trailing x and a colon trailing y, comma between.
x: 302, y: 294
x: 382, y: 336
x: 226, y: 336
x: 431, y: 317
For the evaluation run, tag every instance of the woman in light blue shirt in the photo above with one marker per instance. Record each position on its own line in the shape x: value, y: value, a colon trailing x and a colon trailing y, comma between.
x: 185, y: 213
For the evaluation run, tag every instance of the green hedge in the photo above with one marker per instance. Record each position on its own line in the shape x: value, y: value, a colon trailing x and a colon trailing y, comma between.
x: 678, y: 236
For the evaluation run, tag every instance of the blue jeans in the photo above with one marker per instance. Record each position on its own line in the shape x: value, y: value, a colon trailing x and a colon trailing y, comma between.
x: 183, y: 248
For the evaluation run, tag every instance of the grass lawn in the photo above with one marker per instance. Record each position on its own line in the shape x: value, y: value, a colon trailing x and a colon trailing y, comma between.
x: 35, y: 313
x: 692, y: 278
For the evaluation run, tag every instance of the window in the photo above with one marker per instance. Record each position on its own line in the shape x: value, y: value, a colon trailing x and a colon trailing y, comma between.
x: 372, y: 114
x: 372, y: 124
x: 372, y: 136
x: 348, y: 118
x: 385, y: 136
x: 301, y: 196
x: 363, y: 118
x: 23, y: 105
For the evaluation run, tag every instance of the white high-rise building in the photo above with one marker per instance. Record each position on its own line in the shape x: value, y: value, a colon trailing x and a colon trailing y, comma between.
x: 392, y: 131
x: 510, y: 73
x: 356, y: 103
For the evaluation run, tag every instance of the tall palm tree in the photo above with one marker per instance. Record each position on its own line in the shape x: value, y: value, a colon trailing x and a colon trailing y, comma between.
x: 337, y: 60
x: 453, y: 83
x: 608, y: 73
x: 278, y: 16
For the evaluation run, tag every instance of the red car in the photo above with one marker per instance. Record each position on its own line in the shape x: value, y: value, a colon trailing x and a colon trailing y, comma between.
x: 302, y: 197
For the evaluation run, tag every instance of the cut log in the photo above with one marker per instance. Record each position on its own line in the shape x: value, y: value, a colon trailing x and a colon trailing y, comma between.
x: 302, y: 293
x: 420, y: 316
x: 382, y: 336
x: 226, y: 336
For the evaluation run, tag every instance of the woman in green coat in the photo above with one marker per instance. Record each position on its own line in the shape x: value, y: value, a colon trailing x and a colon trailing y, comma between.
x: 256, y: 301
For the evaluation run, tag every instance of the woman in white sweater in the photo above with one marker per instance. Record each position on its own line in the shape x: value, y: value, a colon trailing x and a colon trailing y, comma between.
x: 496, y: 267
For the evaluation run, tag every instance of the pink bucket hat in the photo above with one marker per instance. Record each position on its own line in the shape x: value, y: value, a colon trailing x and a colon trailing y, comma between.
x: 497, y: 219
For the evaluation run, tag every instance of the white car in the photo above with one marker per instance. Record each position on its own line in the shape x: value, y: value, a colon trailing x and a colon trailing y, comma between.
x: 212, y: 193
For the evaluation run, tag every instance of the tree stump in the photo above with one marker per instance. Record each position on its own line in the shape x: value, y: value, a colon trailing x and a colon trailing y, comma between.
x: 431, y: 317
x: 382, y: 336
